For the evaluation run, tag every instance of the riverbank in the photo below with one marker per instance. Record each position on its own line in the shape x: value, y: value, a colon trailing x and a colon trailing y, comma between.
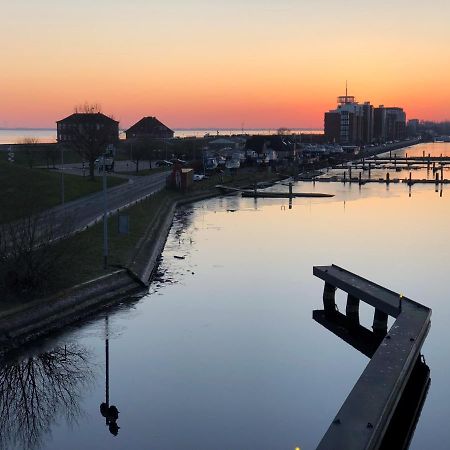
x: 87, y: 287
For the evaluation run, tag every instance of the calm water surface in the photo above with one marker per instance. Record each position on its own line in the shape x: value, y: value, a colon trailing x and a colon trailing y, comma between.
x: 223, y: 352
x: 15, y: 136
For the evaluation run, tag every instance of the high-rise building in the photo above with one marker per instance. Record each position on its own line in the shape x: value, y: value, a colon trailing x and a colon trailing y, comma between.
x: 350, y: 123
x: 379, y: 124
x: 413, y: 127
x: 367, y: 124
x: 395, y: 123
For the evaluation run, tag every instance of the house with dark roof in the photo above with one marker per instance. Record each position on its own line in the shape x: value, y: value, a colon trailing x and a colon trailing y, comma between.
x: 71, y: 128
x: 149, y: 127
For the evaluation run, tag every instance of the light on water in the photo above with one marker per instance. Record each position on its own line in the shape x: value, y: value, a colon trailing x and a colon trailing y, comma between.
x: 223, y: 352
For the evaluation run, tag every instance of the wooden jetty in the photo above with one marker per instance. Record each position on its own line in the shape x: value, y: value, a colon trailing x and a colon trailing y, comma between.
x: 368, y: 415
x: 265, y: 194
x: 260, y: 194
x: 387, y: 180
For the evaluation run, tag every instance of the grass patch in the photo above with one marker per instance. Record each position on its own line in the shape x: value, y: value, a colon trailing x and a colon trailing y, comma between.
x: 86, y: 248
x: 35, y: 190
x: 46, y: 155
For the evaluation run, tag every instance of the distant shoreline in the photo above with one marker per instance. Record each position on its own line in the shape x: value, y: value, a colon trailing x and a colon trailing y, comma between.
x: 178, y: 129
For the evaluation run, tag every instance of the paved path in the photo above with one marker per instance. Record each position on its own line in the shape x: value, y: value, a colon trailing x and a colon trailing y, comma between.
x: 78, y: 214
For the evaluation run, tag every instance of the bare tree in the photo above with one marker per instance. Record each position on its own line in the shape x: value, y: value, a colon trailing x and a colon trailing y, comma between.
x: 144, y: 149
x: 28, y: 146
x: 36, y: 390
x: 28, y: 254
x: 283, y: 131
x: 88, y: 108
x: 51, y: 153
x: 91, y: 142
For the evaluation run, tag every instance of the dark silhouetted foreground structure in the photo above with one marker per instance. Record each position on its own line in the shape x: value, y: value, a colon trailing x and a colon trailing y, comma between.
x: 384, y: 405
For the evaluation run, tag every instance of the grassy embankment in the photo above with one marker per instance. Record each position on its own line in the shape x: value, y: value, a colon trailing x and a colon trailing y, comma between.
x: 84, y: 250
x: 34, y: 190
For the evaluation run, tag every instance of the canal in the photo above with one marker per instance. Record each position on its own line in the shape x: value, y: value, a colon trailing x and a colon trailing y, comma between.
x: 223, y: 352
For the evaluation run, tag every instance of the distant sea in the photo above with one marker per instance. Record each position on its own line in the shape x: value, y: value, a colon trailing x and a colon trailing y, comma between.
x: 47, y: 135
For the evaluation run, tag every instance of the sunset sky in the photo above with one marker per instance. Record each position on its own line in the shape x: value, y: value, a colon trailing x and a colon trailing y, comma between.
x: 211, y: 63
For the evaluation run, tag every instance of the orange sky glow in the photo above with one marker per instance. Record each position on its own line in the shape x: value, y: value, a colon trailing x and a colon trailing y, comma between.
x: 198, y: 63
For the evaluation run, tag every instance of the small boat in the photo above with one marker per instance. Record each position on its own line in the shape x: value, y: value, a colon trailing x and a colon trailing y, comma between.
x: 233, y: 164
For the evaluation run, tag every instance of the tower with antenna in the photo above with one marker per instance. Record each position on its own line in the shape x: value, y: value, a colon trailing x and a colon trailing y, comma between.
x: 346, y: 99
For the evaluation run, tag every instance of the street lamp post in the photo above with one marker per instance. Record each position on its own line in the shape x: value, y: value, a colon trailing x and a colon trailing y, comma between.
x: 62, y: 175
x: 105, y: 215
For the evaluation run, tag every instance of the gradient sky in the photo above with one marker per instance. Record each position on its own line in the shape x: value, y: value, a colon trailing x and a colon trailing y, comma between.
x: 211, y: 63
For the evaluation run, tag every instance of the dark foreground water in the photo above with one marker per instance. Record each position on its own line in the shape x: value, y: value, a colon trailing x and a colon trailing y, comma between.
x: 223, y: 353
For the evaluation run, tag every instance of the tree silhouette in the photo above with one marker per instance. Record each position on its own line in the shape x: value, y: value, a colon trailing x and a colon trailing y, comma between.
x: 35, y: 391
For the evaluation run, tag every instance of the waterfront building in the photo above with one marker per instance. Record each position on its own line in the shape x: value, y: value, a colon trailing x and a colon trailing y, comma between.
x: 149, y: 127
x: 413, y: 127
x: 350, y: 123
x: 395, y: 124
x: 379, y: 124
x: 72, y: 128
x: 367, y: 123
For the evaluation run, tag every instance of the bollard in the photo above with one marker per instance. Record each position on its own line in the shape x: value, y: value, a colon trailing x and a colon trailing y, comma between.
x: 329, y: 304
x: 360, y: 181
x: 437, y: 178
x: 380, y: 320
x: 352, y: 309
x: 410, y: 181
x: 387, y: 178
x: 290, y: 189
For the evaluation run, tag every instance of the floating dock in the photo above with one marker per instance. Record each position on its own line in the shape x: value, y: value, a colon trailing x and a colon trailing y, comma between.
x: 260, y: 194
x: 368, y: 415
x: 265, y: 194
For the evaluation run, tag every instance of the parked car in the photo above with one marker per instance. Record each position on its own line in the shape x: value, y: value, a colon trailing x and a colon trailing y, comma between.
x: 163, y: 163
x: 178, y: 161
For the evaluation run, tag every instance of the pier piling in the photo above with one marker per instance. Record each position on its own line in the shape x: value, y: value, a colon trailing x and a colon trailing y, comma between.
x: 329, y: 303
x: 352, y: 309
x: 380, y: 320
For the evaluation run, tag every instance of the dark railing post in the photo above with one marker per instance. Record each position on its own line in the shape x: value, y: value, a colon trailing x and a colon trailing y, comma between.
x: 380, y: 320
x: 352, y: 309
x: 329, y: 303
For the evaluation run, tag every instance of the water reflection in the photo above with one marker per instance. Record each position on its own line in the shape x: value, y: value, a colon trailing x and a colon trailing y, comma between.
x: 34, y: 391
x: 109, y: 412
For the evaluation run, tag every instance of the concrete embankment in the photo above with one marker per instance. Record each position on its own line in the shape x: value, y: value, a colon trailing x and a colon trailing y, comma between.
x: 43, y: 316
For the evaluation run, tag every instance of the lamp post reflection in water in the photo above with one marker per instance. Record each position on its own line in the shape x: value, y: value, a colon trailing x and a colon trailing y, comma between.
x: 110, y: 413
